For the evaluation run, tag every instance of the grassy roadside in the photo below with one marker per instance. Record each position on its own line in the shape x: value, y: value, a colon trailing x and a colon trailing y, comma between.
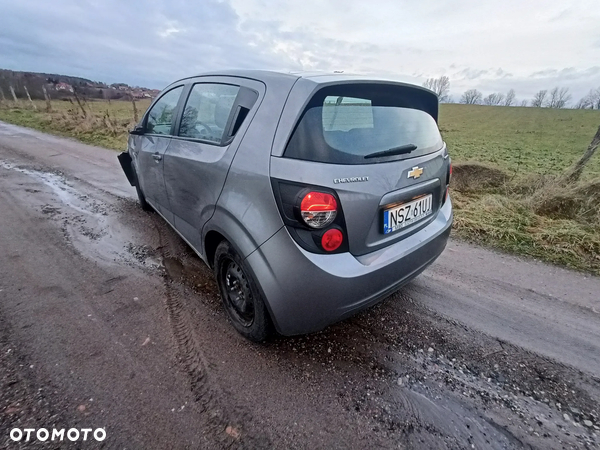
x: 505, y: 189
x: 506, y: 165
x: 546, y: 222
x: 105, y: 124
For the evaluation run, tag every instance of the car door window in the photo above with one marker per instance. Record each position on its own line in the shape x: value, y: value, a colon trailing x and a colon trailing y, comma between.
x: 162, y: 114
x: 207, y: 111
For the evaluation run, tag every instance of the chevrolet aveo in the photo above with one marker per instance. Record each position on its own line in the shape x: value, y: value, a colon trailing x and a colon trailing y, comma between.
x: 310, y: 196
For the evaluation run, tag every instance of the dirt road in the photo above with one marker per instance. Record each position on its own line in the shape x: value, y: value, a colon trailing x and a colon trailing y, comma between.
x: 108, y: 320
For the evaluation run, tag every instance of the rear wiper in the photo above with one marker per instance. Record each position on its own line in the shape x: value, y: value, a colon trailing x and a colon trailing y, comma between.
x: 402, y: 150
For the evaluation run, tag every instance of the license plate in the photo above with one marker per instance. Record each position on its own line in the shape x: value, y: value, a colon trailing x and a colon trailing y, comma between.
x: 407, y: 214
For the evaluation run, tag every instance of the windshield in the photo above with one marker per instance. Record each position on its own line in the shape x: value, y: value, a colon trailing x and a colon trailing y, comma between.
x: 344, y: 129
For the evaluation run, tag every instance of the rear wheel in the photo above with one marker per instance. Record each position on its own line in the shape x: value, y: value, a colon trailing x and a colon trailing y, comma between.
x: 240, y: 294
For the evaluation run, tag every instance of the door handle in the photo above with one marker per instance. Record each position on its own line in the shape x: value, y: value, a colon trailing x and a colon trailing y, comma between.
x: 157, y: 157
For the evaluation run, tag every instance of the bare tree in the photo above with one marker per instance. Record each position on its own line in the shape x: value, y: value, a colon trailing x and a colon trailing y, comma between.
x: 47, y: 98
x: 441, y: 86
x: 524, y: 103
x: 12, y: 91
x: 574, y: 173
x: 539, y: 99
x: 29, y: 97
x: 510, y: 98
x: 590, y: 101
x: 493, y: 99
x: 79, y: 102
x: 471, y: 97
x: 584, y: 103
x: 559, y: 97
x: 136, y: 117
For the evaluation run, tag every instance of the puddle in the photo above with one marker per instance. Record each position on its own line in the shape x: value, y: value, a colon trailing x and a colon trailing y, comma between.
x: 94, y: 227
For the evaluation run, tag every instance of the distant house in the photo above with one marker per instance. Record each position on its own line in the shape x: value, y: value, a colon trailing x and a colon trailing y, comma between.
x: 63, y: 87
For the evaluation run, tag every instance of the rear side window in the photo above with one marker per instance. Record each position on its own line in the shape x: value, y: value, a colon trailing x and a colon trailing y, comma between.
x: 345, y: 123
x: 161, y: 116
x: 207, y: 111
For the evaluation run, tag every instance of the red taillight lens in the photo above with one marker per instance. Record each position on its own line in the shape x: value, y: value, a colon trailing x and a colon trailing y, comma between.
x: 332, y: 239
x: 318, y: 209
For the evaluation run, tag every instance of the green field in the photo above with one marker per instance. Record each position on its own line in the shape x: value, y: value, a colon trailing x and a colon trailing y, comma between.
x: 508, y: 162
x: 519, y: 140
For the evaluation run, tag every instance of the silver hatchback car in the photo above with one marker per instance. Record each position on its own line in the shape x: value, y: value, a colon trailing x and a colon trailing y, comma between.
x: 311, y: 196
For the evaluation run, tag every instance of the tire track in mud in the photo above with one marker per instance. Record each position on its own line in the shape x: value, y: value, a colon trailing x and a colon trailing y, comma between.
x: 225, y: 426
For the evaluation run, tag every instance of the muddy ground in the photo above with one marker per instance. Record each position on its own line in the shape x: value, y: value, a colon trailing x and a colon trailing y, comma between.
x: 108, y: 319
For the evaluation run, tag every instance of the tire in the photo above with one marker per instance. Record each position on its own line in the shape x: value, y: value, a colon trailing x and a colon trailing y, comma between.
x: 240, y: 294
x: 141, y: 197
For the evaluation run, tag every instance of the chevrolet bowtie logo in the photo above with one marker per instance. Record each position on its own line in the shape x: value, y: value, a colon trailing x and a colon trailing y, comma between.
x: 416, y: 172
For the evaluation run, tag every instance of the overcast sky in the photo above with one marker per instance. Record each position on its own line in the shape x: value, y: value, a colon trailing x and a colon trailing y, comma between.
x: 491, y: 46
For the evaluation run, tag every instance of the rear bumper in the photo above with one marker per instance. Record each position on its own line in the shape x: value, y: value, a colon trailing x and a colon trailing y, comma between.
x: 305, y: 292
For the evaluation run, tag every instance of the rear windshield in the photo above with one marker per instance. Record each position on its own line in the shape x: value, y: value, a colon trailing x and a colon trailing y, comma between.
x: 343, y: 124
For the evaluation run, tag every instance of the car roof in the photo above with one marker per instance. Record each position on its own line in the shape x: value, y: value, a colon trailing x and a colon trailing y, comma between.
x: 316, y: 77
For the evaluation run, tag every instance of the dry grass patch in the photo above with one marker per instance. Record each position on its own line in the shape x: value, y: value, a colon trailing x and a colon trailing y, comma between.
x: 101, y: 123
x: 476, y: 177
x: 580, y: 202
x: 535, y: 216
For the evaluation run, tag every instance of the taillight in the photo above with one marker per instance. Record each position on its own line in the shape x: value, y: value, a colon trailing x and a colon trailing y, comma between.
x: 332, y: 239
x: 318, y: 209
x: 313, y: 215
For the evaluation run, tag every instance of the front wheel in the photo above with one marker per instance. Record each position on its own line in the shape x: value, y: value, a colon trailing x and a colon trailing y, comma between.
x: 240, y: 295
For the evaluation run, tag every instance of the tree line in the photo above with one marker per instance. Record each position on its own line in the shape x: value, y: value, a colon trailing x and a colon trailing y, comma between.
x: 558, y: 97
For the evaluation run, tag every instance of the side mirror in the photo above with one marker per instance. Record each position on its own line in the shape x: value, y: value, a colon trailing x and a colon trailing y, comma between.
x: 138, y: 130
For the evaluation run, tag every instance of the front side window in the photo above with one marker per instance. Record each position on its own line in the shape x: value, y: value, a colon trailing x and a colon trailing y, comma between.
x: 162, y: 114
x: 349, y: 124
x: 207, y: 110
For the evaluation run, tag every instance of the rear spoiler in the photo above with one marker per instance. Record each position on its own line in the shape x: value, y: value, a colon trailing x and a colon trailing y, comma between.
x: 125, y: 160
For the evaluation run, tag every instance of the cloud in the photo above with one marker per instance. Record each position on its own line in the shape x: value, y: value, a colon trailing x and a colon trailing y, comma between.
x: 522, y: 45
x: 137, y: 42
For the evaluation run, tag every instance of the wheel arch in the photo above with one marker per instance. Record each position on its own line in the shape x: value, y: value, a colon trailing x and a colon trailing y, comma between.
x: 211, y: 242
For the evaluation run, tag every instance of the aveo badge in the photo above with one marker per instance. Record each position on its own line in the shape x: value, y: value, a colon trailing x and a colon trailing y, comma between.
x: 415, y: 172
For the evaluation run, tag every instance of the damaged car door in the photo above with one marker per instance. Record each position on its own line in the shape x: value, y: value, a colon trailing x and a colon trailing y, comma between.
x: 149, y: 148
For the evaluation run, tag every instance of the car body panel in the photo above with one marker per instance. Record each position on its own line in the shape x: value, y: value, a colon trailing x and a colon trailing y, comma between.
x: 149, y: 169
x: 195, y: 171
